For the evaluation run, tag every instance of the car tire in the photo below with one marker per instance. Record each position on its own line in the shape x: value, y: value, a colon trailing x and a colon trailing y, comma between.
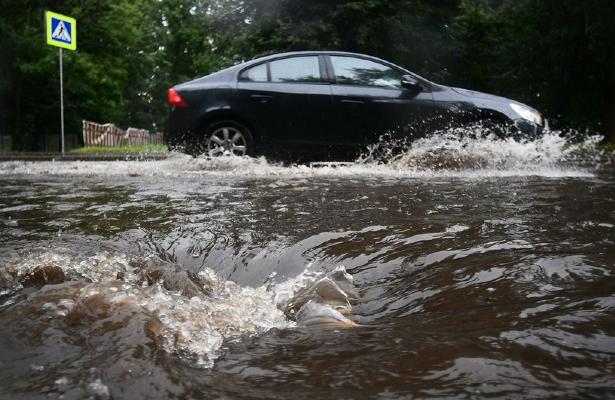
x: 481, y: 127
x: 226, y: 138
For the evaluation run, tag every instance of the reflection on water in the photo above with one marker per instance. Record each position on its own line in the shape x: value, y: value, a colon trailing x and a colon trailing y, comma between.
x: 478, y: 271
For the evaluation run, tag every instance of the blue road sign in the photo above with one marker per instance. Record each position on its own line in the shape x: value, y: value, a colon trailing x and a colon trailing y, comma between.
x: 61, y: 31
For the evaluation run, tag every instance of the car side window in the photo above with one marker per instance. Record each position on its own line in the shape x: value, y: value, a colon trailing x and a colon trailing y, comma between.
x: 296, y: 69
x: 255, y: 74
x: 358, y: 71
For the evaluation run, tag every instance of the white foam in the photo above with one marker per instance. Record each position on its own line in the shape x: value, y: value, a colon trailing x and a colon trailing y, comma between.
x: 193, y: 323
x: 99, y: 390
x: 450, y: 154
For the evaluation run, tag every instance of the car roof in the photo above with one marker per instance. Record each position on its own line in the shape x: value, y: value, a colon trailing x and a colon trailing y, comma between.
x: 270, y: 57
x: 311, y: 53
x: 230, y: 73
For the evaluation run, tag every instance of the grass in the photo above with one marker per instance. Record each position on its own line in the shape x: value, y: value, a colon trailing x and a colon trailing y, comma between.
x: 137, y: 149
x: 607, y: 147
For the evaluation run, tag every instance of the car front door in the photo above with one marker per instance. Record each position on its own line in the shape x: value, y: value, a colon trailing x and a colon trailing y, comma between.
x: 369, y: 100
x: 291, y: 105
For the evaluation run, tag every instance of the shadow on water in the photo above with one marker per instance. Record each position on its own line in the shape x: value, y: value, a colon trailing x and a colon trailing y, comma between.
x: 484, y: 269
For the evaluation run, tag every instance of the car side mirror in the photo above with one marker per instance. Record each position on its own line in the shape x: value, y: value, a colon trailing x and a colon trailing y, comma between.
x: 411, y: 83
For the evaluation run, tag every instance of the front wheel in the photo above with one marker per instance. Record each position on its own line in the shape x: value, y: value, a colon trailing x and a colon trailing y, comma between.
x: 229, y: 138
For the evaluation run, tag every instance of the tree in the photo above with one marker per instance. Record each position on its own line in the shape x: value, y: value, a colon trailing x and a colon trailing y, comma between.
x: 557, y: 55
x: 106, y: 79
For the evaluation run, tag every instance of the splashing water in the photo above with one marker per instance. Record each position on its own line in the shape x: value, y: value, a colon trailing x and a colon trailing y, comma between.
x: 451, y: 153
x: 186, y: 314
x: 478, y: 151
x: 216, y: 278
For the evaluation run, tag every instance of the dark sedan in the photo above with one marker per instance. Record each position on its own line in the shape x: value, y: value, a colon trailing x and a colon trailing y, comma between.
x: 323, y: 105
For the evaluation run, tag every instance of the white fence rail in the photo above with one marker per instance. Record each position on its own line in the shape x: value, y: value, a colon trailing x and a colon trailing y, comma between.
x: 109, y: 135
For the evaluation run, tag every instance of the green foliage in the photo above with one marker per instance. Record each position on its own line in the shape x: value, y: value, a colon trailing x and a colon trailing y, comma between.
x: 409, y: 32
x: 607, y: 147
x: 557, y: 55
x: 104, y: 79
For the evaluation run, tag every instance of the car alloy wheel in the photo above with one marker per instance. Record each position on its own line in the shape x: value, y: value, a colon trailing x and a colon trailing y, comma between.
x: 227, y: 141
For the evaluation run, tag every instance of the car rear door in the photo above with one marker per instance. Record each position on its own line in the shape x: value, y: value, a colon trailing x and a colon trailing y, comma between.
x: 368, y: 100
x: 291, y: 106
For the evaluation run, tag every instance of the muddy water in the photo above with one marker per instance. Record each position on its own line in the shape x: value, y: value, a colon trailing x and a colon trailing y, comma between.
x: 482, y: 270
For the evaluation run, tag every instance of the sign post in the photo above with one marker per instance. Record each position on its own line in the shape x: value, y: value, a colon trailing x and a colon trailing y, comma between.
x: 61, y: 32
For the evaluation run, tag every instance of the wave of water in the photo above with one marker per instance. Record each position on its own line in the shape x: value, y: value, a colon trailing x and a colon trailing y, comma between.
x: 187, y: 314
x: 465, y: 288
x: 453, y: 153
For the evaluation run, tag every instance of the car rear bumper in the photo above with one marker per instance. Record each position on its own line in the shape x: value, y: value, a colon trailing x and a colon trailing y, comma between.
x: 178, y: 126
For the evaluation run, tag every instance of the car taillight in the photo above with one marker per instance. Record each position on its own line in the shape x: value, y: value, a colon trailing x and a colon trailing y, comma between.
x: 175, y: 99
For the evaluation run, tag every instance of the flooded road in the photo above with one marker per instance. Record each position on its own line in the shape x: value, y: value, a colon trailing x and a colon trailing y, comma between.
x: 482, y: 270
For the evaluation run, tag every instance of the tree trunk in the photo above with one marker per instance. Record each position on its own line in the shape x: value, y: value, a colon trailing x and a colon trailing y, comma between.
x: 18, y: 139
x: 608, y: 114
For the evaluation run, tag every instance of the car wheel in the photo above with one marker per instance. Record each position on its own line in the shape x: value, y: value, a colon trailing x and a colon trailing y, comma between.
x: 228, y: 138
x: 481, y: 127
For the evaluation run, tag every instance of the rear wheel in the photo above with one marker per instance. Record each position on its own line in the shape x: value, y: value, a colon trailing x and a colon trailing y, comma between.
x: 228, y: 138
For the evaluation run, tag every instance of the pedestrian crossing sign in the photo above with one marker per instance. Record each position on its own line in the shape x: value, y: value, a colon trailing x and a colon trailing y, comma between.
x: 61, y: 30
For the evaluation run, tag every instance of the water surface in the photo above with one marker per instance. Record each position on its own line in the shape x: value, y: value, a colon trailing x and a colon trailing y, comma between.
x: 483, y: 269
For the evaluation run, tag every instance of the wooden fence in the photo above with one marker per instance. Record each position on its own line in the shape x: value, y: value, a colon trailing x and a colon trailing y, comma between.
x: 109, y: 135
x: 156, y: 138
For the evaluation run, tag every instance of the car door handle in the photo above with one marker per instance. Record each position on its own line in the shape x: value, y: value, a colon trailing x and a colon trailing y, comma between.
x: 350, y: 101
x: 262, y: 98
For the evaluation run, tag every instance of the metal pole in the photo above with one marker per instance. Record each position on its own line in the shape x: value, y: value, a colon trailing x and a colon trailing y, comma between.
x: 61, y: 102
